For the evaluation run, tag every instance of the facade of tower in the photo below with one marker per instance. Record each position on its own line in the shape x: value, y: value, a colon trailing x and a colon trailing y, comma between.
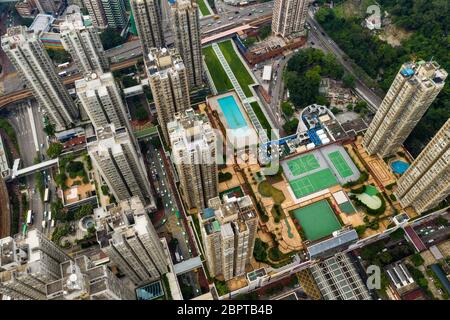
x: 426, y: 183
x: 48, y: 6
x: 84, y: 45
x: 81, y: 280
x: 27, y: 264
x: 193, y: 144
x: 289, y: 17
x: 228, y: 230
x: 120, y: 164
x: 148, y: 19
x: 101, y: 99
x: 186, y: 26
x: 126, y: 234
x: 96, y: 12
x: 115, y: 13
x: 413, y: 90
x: 36, y: 69
x: 168, y: 81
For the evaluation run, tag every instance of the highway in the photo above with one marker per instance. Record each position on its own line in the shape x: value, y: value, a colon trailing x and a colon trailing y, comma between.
x: 318, y: 35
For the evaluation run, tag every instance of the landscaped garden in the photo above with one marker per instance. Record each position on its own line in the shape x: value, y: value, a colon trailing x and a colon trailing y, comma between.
x: 204, y: 10
x: 219, y: 77
x: 369, y: 198
x: 236, y: 65
x: 267, y: 190
x: 223, y: 83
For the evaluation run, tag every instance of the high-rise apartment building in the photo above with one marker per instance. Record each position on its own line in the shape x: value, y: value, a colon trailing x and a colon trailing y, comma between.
x: 96, y: 12
x: 36, y: 69
x: 115, y: 13
x: 27, y: 264
x: 289, y: 17
x: 81, y: 280
x: 193, y: 144
x: 127, y: 236
x: 115, y: 156
x: 101, y: 99
x: 48, y: 6
x: 427, y: 181
x: 168, y: 81
x: 228, y: 231
x: 26, y: 8
x: 84, y: 45
x: 413, y: 90
x: 186, y: 26
x: 148, y: 19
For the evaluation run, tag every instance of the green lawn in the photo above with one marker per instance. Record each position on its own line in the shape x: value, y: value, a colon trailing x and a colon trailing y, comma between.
x: 317, y: 220
x: 203, y: 8
x: 220, y: 78
x: 261, y: 117
x: 236, y: 65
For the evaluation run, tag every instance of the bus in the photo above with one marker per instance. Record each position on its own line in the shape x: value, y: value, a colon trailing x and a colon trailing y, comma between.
x: 62, y: 73
x: 52, y: 224
x: 63, y: 65
x: 30, y: 217
x: 44, y: 224
x: 46, y: 195
x: 49, y: 217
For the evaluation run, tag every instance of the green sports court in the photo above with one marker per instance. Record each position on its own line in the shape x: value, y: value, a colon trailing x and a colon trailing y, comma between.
x: 340, y: 164
x: 317, y: 220
x: 303, y: 164
x: 312, y: 183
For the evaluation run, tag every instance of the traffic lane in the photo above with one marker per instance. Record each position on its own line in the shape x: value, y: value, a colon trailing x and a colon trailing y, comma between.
x: 174, y: 190
x: 329, y: 45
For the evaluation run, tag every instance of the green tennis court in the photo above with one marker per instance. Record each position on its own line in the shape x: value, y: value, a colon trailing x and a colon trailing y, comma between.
x: 318, y: 220
x: 313, y: 182
x: 303, y: 164
x: 340, y: 164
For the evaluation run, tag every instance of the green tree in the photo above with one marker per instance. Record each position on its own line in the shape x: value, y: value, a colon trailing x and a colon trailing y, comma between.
x: 141, y: 114
x: 291, y: 126
x: 59, y: 55
x: 260, y: 250
x: 265, y: 31
x: 49, y: 129
x: 84, y: 210
x: 287, y: 108
x: 54, y: 149
x: 111, y: 38
x: 348, y: 80
x: 417, y: 259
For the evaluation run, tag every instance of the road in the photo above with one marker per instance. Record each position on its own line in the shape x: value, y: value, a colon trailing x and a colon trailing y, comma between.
x: 318, y: 35
x: 169, y: 223
x: 20, y: 120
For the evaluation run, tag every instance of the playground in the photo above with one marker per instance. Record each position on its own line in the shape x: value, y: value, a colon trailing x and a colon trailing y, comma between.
x: 317, y: 220
x: 312, y: 183
x: 303, y: 164
x: 319, y: 169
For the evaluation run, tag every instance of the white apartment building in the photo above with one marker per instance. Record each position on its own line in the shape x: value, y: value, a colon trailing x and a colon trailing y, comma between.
x: 36, y: 69
x: 289, y: 17
x: 228, y: 229
x: 427, y: 181
x: 127, y: 236
x: 120, y: 164
x: 148, y: 19
x: 27, y: 264
x: 84, y: 45
x: 167, y: 76
x: 194, y: 147
x: 101, y: 99
x: 186, y: 26
x: 413, y: 90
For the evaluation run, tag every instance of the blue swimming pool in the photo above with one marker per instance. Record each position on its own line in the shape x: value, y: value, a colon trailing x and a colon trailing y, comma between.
x: 232, y: 113
x: 399, y: 167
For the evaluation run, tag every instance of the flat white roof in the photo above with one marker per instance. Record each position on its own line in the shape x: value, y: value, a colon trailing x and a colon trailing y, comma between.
x: 267, y: 73
x: 340, y: 197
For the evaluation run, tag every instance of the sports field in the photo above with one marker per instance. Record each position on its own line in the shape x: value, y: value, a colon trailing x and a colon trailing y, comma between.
x: 303, y: 164
x: 340, y: 164
x: 314, y: 182
x: 317, y: 220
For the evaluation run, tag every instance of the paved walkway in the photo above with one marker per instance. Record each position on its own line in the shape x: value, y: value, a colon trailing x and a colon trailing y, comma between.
x: 237, y: 87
